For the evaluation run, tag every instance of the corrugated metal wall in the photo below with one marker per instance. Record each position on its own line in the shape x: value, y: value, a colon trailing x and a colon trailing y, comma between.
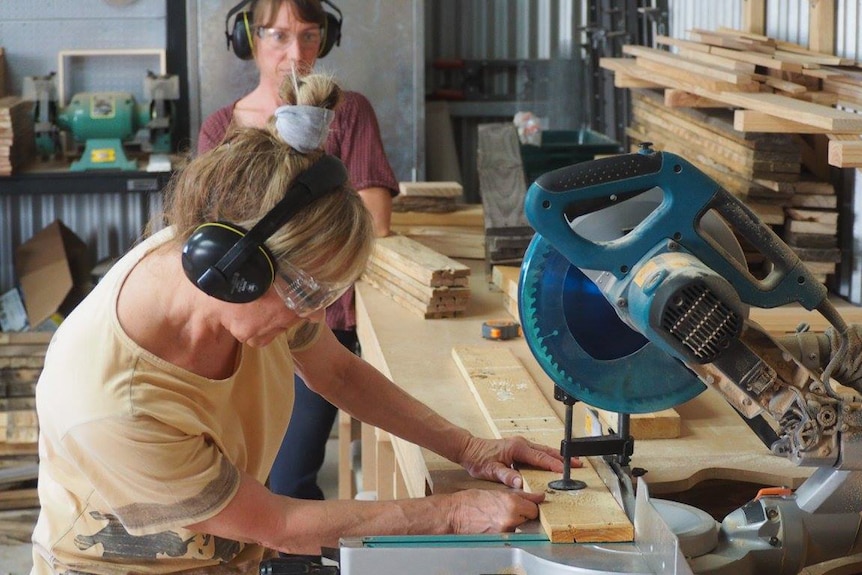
x: 108, y: 222
x: 685, y: 15
x: 785, y: 19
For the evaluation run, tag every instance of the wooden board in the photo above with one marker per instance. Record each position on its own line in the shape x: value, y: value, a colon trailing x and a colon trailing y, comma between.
x: 513, y: 405
x: 469, y: 215
x: 431, y: 189
x: 501, y: 175
x: 664, y: 424
x: 451, y: 241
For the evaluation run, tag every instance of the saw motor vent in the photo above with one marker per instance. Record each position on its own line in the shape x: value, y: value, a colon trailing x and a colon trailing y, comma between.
x: 700, y: 321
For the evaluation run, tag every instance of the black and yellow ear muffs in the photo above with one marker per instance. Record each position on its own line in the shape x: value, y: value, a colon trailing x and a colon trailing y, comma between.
x: 235, y: 266
x: 240, y: 35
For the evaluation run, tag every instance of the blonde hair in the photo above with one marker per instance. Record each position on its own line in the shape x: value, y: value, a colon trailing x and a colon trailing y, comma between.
x: 243, y: 178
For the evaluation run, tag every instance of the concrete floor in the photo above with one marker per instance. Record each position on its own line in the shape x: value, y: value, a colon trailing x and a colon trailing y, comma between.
x: 15, y: 555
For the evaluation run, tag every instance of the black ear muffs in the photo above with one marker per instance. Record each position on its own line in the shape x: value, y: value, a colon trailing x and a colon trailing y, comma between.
x: 208, y: 245
x: 331, y: 30
x: 240, y: 35
x: 230, y: 264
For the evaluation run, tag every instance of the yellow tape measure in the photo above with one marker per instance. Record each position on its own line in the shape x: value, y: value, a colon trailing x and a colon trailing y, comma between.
x: 500, y: 329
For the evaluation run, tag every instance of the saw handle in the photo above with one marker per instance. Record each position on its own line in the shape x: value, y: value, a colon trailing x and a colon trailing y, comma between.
x: 557, y: 197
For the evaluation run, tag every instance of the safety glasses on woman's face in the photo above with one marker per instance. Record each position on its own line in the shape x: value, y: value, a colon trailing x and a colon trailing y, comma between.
x: 281, y: 38
x: 302, y: 293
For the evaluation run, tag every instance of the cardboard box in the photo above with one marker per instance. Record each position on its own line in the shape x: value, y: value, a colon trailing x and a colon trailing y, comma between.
x: 53, y: 270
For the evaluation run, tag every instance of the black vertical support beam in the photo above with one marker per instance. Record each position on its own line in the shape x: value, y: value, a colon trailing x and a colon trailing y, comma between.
x: 177, y: 63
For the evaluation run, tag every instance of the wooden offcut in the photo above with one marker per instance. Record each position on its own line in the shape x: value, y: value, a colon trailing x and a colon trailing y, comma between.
x: 664, y: 424
x: 437, y: 197
x: 845, y: 153
x: 421, y: 279
x: 513, y: 405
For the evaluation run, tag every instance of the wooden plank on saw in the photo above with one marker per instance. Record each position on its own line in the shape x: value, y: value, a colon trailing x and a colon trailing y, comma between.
x: 665, y: 424
x: 513, y: 405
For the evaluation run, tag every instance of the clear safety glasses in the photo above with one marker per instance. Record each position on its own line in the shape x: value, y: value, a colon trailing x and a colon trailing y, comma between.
x: 302, y: 293
x: 281, y: 38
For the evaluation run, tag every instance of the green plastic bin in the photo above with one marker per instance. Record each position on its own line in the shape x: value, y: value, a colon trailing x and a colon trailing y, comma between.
x: 561, y: 148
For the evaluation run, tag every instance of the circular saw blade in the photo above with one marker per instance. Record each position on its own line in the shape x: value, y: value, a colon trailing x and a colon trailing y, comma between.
x: 585, y: 348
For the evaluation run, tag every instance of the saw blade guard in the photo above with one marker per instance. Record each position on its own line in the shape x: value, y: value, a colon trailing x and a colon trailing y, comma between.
x: 585, y: 348
x: 558, y: 198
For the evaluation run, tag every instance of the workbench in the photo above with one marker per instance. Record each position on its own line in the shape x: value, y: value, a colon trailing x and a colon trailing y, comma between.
x: 715, y: 447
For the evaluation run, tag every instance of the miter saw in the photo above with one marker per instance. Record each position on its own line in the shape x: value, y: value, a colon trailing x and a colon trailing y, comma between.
x: 104, y: 121
x: 634, y: 297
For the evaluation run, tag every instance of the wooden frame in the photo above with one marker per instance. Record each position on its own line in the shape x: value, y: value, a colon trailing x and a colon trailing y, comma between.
x: 63, y: 54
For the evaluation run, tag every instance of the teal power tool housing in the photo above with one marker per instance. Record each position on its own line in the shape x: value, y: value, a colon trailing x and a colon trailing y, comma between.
x: 635, y: 272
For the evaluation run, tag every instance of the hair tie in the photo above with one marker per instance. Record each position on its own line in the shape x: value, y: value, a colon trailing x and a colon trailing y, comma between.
x: 304, y: 128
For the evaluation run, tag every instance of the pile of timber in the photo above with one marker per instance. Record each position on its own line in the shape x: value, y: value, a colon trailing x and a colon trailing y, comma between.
x: 434, y: 197
x: 764, y: 170
x: 751, y: 112
x: 17, y: 140
x: 22, y: 356
x: 778, y: 86
x: 457, y: 234
x: 422, y: 280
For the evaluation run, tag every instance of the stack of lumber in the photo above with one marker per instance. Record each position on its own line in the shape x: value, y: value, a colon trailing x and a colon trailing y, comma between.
x: 457, y: 234
x: 432, y: 197
x: 748, y: 110
x: 775, y: 86
x: 17, y: 140
x: 22, y: 356
x: 748, y: 165
x: 764, y: 170
x: 424, y: 281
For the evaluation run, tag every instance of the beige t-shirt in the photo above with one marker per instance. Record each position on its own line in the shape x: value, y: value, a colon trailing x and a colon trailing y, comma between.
x: 133, y: 448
